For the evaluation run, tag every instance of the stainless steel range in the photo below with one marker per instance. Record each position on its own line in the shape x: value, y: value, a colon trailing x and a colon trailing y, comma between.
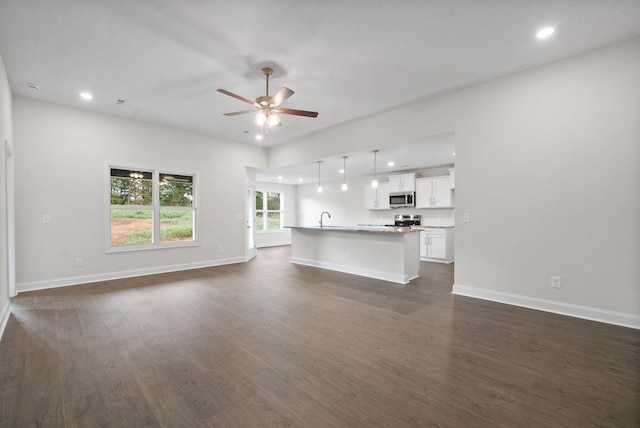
x: 406, y: 220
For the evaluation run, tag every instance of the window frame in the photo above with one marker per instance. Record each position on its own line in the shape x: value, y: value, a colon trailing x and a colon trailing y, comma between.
x: 155, y: 208
x: 265, y: 212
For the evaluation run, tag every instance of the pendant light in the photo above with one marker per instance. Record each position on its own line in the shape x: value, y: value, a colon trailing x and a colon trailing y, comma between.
x: 345, y: 187
x: 374, y: 182
x: 319, y: 186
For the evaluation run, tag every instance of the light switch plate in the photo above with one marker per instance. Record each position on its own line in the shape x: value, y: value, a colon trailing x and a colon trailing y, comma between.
x: 466, y: 217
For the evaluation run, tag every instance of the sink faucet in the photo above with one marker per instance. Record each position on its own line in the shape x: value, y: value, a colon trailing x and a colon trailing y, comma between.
x: 323, y: 213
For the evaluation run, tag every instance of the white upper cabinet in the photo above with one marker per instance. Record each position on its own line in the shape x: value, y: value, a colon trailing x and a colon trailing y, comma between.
x: 377, y: 199
x: 433, y: 192
x: 402, y: 183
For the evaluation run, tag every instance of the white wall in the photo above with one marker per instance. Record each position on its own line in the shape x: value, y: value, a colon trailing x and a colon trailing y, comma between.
x: 547, y: 164
x: 54, y: 142
x: 270, y: 238
x: 5, y: 135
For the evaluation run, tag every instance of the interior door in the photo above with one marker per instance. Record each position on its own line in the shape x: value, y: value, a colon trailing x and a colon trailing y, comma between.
x: 250, y: 226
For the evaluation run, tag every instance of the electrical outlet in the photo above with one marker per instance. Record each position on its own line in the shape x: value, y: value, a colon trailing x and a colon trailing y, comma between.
x: 556, y: 282
x: 79, y: 262
x: 46, y: 218
x: 221, y: 249
x: 348, y: 254
x: 466, y: 217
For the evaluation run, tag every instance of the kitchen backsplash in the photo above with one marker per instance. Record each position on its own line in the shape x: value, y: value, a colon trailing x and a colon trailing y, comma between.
x: 439, y: 222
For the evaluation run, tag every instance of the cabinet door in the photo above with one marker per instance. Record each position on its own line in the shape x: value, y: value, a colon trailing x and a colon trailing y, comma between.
x: 383, y: 196
x: 377, y: 199
x: 424, y: 238
x: 395, y: 183
x: 402, y: 183
x: 442, y: 192
x: 370, y: 198
x: 423, y: 192
x: 437, y: 247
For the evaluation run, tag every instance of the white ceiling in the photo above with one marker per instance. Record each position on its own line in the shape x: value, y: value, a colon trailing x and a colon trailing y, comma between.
x: 346, y: 59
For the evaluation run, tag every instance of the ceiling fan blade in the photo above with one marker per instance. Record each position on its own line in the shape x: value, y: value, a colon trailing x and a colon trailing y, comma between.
x: 298, y: 112
x: 280, y: 96
x: 236, y: 113
x: 238, y: 97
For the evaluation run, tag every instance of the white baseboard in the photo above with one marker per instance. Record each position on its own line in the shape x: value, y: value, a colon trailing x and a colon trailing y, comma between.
x: 385, y: 276
x: 6, y: 311
x: 64, y: 282
x: 584, y: 312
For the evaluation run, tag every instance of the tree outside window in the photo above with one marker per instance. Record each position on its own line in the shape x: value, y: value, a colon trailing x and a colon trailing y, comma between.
x: 268, y: 210
x: 149, y: 208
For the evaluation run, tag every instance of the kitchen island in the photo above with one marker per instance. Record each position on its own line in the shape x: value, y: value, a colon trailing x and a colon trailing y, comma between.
x: 387, y: 253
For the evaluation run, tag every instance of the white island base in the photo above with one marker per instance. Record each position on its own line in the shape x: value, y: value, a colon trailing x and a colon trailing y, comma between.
x: 387, y: 253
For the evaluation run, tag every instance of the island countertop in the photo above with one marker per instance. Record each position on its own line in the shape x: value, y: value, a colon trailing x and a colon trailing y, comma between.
x: 368, y: 229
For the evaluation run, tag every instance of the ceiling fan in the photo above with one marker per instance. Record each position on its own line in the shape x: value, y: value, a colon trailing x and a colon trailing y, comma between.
x: 265, y: 106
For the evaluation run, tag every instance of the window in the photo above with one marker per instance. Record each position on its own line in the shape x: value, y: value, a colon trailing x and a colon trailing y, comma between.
x: 150, y: 209
x: 268, y: 210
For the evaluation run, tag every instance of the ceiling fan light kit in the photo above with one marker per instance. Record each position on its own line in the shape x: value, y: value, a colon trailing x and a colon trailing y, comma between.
x: 265, y: 106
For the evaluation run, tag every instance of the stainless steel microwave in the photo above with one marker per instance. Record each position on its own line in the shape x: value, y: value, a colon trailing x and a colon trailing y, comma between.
x: 402, y: 199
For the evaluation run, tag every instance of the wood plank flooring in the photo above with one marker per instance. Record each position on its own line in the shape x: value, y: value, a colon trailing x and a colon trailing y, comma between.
x: 271, y: 344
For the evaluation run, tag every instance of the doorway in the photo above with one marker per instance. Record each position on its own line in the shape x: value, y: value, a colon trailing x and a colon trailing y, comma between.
x: 250, y: 229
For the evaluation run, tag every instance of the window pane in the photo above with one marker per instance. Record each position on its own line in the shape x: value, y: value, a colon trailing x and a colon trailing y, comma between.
x: 131, y: 227
x: 130, y: 187
x: 176, y: 225
x: 259, y: 220
x: 259, y: 201
x: 176, y: 190
x: 274, y: 221
x: 273, y: 201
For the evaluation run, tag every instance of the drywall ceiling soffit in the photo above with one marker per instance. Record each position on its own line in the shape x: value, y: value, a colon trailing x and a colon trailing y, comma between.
x: 432, y: 152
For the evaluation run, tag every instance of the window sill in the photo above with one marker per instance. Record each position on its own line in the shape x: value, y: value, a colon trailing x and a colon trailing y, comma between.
x: 145, y: 247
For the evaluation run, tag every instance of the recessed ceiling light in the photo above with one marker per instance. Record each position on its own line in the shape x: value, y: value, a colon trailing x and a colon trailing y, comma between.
x: 341, y: 171
x: 545, y: 33
x: 390, y: 163
x: 300, y: 180
x: 279, y: 177
x: 259, y: 137
x: 86, y: 96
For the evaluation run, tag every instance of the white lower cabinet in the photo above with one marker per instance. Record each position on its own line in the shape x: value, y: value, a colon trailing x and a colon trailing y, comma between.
x: 436, y: 245
x: 377, y: 199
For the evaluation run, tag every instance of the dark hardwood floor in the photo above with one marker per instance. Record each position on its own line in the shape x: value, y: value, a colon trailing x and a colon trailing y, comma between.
x: 271, y: 344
